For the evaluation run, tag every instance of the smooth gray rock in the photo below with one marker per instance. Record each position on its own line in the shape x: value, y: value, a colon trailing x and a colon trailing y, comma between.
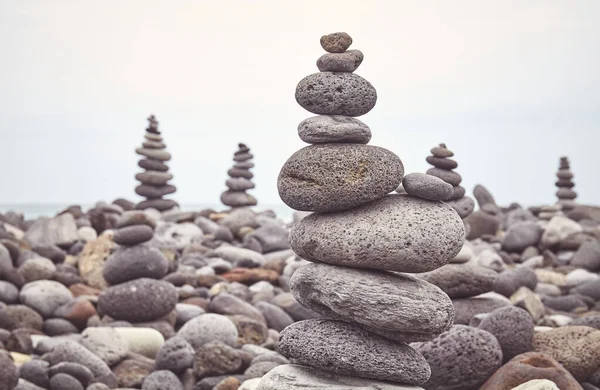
x: 36, y: 372
x: 467, y: 308
x: 590, y: 289
x: 329, y: 93
x: 237, y: 199
x: 347, y: 61
x: 153, y: 165
x: 450, y: 177
x: 513, y: 328
x: 484, y: 198
x: 520, y: 235
x: 288, y: 303
x: 78, y: 371
x: 236, y: 172
x: 239, y: 184
x: 160, y: 155
x: 154, y: 178
x: 272, y: 237
x: 138, y: 300
x: 337, y: 42
x: 509, y: 281
x: 59, y: 326
x: 275, y: 316
x: 176, y: 355
x: 333, y: 177
x: 234, y: 254
x: 45, y: 296
x: 9, y: 376
x: 154, y: 191
x: 398, y: 233
x: 63, y: 381
x: 209, y: 327
x: 229, y: 304
x: 588, y: 256
x: 162, y: 380
x: 293, y: 376
x: 441, y: 151
x: 394, y: 305
x: 463, y: 206
x: 105, y: 343
x: 133, y: 218
x: 427, y: 187
x: 60, y: 230
x: 37, y: 268
x: 135, y: 262
x: 442, y: 162
x: 344, y: 348
x: 334, y: 129
x: 133, y: 235
x: 461, y: 280
x: 71, y: 351
x: 462, y: 358
x: 158, y: 204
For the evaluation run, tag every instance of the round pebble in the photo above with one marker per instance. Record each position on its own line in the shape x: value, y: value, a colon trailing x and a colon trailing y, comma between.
x: 337, y: 42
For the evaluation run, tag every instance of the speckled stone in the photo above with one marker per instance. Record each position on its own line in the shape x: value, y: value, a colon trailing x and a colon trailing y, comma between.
x: 347, y: 61
x: 334, y: 177
x: 334, y: 129
x: 513, y: 328
x: 330, y: 93
x: 344, y: 348
x: 461, y: 280
x: 397, y: 233
x: 426, y: 186
x: 463, y: 206
x: 337, y: 42
x: 394, y: 305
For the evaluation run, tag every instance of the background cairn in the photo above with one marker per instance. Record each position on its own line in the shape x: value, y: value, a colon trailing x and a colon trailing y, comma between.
x: 239, y: 180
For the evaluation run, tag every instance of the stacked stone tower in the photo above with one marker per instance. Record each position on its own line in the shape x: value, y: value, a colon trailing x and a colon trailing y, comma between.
x: 155, y: 178
x: 239, y: 180
x: 565, y: 194
x: 443, y: 168
x: 358, y: 232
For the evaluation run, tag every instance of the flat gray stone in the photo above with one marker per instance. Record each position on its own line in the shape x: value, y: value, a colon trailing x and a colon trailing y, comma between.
x: 133, y: 235
x: 207, y: 328
x: 334, y: 129
x: 394, y: 305
x: 450, y: 177
x: 153, y: 165
x: 237, y: 172
x: 344, y: 348
x: 442, y: 162
x: 105, y: 343
x: 397, y: 233
x: 72, y: 351
x: 347, y: 61
x: 156, y: 154
x: 153, y: 145
x: 461, y: 280
x: 334, y: 177
x: 239, y: 184
x: 155, y: 178
x: 463, y: 206
x: 426, y: 186
x: 237, y: 199
x: 294, y: 376
x: 441, y: 151
x: 513, y: 328
x: 153, y: 191
x: 337, y: 42
x: 132, y: 218
x: 509, y: 281
x: 135, y: 262
x: 329, y: 93
x: 158, y: 204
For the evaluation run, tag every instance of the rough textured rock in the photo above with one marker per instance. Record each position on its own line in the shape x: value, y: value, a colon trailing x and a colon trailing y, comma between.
x: 397, y: 306
x: 216, y: 358
x: 330, y: 93
x: 461, y: 280
x: 160, y: 380
x: 333, y: 129
x: 343, y: 348
x: 71, y: 351
x: 133, y: 263
x: 466, y: 309
x: 316, y: 179
x: 209, y: 327
x: 337, y: 42
x: 176, y: 355
x: 513, y: 328
x: 462, y: 358
x: 509, y: 281
x: 348, y: 61
x: 426, y: 186
x: 396, y: 233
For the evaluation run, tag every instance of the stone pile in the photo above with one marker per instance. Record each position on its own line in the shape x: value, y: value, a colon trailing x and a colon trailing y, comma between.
x: 565, y: 194
x: 240, y: 180
x: 358, y: 233
x: 155, y: 179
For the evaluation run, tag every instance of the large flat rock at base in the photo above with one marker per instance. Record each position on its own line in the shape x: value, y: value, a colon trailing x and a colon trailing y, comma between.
x: 394, y: 305
x: 293, y: 376
x: 344, y: 348
x: 396, y: 233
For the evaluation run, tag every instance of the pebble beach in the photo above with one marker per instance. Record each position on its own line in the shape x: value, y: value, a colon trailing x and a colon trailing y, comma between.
x: 382, y: 278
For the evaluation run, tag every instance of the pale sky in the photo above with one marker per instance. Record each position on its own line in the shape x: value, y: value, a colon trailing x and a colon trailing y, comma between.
x: 508, y: 85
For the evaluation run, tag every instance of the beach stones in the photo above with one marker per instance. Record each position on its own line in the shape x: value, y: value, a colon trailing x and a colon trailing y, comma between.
x: 336, y: 43
x: 427, y: 187
x: 348, y: 61
x: 513, y: 328
x: 345, y: 349
x: 461, y: 280
x: 155, y: 178
x: 462, y: 358
x: 397, y: 233
x: 315, y: 178
x: 239, y: 182
x: 356, y: 234
x: 133, y: 263
x: 394, y: 305
x: 9, y: 376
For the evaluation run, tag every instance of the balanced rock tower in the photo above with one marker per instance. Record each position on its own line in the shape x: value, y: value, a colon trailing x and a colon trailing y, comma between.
x: 239, y: 180
x: 155, y: 178
x: 565, y: 194
x: 357, y: 233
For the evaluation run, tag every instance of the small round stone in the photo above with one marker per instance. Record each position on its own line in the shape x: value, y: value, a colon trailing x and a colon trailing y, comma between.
x: 426, y: 186
x: 154, y: 178
x: 209, y: 327
x: 447, y: 176
x: 564, y: 174
x: 154, y: 192
x: 330, y: 93
x: 441, y: 162
x: 566, y: 193
x: 348, y: 61
x: 334, y: 129
x: 133, y: 263
x: 513, y: 328
x: 133, y: 235
x: 45, y: 296
x: 153, y: 165
x: 64, y: 382
x: 236, y: 172
x: 160, y: 380
x: 459, y: 192
x: 337, y: 42
x: 334, y: 177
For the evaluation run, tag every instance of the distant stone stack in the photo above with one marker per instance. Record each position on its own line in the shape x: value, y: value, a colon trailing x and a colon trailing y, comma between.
x: 155, y: 178
x: 240, y: 180
x: 565, y: 194
x: 358, y: 232
x: 443, y: 168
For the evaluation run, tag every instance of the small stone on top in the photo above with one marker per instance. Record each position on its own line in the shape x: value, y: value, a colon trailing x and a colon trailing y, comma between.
x: 337, y: 42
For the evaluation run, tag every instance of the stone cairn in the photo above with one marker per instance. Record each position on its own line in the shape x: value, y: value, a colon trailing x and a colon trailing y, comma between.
x: 239, y: 180
x: 156, y: 176
x: 358, y: 232
x: 565, y: 194
x: 443, y: 168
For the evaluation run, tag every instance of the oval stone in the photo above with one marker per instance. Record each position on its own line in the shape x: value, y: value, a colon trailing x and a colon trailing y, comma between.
x: 344, y: 348
x: 237, y: 199
x: 138, y: 300
x: 156, y: 154
x: 154, y: 192
x: 397, y: 233
x: 153, y: 165
x: 154, y: 178
x: 441, y: 162
x: 393, y: 305
x: 337, y: 42
x: 329, y: 93
x: 335, y: 177
x: 135, y: 262
x: 347, y: 61
x: 463, y: 206
x: 461, y: 280
x: 132, y: 235
x: 158, y: 204
x: 426, y: 186
x: 450, y: 177
x: 334, y: 129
